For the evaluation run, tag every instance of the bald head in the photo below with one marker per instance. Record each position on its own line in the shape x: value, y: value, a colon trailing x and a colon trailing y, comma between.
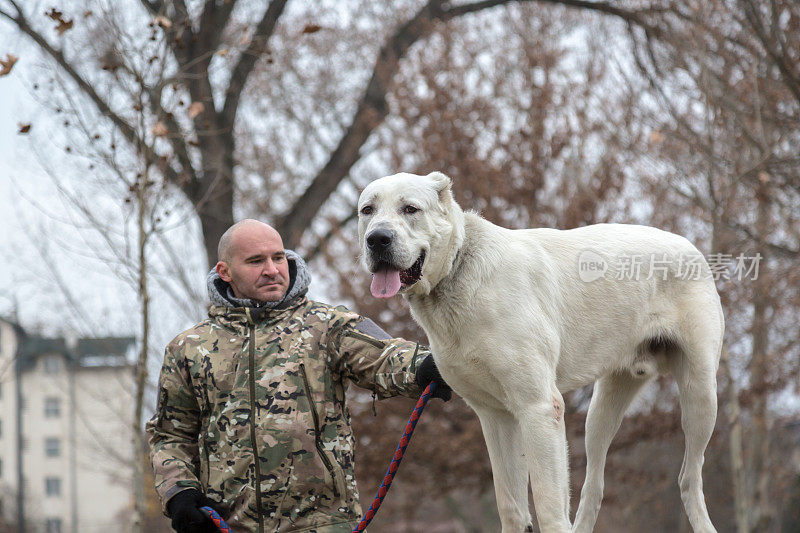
x: 243, y: 230
x: 253, y: 261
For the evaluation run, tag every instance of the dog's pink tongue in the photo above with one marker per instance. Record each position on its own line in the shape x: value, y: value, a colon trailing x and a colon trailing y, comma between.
x: 385, y: 283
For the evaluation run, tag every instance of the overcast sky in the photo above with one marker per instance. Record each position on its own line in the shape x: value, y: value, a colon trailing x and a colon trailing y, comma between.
x: 27, y: 281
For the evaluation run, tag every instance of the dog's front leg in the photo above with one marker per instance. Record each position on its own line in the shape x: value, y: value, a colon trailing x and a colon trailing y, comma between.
x: 509, y: 468
x: 543, y: 432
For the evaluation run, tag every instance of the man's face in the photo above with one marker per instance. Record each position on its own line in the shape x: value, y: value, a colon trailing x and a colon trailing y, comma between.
x: 256, y: 265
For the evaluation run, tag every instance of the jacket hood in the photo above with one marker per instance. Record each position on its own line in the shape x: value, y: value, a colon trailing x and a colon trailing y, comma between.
x: 221, y: 294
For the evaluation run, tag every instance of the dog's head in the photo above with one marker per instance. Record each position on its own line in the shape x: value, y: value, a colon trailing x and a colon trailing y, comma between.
x: 409, y: 231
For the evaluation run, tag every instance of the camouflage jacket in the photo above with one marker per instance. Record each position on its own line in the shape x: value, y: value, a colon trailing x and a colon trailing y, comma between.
x: 237, y: 386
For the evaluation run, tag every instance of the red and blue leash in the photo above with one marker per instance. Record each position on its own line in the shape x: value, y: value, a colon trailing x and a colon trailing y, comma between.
x: 398, y: 456
x: 387, y: 479
x: 217, y: 519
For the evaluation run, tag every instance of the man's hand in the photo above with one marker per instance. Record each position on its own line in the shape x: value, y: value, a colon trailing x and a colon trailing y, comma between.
x: 184, y: 509
x: 427, y: 372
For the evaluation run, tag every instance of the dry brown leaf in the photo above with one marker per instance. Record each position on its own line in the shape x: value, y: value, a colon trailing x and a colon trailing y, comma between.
x: 55, y: 14
x: 196, y: 108
x: 163, y: 21
x: 656, y: 137
x: 223, y: 52
x: 24, y: 128
x: 8, y: 64
x: 58, y: 16
x: 311, y: 28
x: 159, y: 129
x: 63, y: 26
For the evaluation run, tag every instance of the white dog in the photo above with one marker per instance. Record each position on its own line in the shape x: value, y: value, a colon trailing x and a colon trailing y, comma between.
x: 516, y: 318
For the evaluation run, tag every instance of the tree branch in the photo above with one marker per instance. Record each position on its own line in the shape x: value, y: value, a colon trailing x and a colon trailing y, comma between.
x: 155, y: 7
x: 335, y: 228
x: 189, y: 51
x: 790, y: 79
x: 373, y: 109
x: 248, y: 59
x: 102, y: 106
x: 212, y: 21
x: 175, y: 138
x: 371, y: 112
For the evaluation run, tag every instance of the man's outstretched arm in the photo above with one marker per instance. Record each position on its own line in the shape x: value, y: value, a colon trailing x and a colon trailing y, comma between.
x: 388, y: 366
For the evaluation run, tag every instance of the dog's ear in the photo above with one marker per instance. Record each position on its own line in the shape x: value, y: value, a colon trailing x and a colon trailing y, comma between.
x: 442, y: 184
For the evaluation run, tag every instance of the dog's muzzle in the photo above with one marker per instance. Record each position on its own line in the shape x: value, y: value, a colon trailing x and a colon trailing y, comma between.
x: 387, y: 276
x: 379, y: 243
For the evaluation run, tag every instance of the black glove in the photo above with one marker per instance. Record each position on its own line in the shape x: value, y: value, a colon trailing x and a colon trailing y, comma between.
x: 184, y: 509
x: 427, y: 372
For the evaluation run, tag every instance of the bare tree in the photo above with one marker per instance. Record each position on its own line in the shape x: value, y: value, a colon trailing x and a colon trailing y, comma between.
x: 514, y: 141
x: 725, y: 74
x: 196, y: 116
x: 284, y: 112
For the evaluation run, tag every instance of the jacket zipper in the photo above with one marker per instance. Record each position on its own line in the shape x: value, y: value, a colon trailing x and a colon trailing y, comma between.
x: 317, y: 434
x: 256, y: 455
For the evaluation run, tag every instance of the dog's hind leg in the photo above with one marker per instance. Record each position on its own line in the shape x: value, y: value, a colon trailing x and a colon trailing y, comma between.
x: 695, y: 372
x: 612, y: 396
x: 509, y: 468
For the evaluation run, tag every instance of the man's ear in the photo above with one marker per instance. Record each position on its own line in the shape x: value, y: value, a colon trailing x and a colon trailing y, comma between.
x: 442, y: 184
x: 223, y: 271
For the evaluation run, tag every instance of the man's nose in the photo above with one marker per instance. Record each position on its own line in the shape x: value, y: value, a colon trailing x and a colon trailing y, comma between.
x: 379, y: 240
x: 270, y: 269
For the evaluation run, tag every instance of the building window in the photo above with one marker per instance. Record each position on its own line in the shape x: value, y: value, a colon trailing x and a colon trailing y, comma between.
x: 52, y: 364
x: 52, y: 447
x: 53, y: 525
x: 52, y: 408
x: 52, y: 486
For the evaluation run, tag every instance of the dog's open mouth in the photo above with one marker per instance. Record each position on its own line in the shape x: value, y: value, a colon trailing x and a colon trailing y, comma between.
x: 387, y: 280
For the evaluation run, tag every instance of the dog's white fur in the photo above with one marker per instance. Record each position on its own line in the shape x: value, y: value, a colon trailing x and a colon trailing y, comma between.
x: 512, y: 327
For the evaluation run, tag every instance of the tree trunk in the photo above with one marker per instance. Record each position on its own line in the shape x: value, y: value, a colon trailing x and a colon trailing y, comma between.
x: 215, y: 219
x: 213, y: 195
x: 740, y: 500
x: 759, y: 375
x: 741, y: 503
x: 139, y: 505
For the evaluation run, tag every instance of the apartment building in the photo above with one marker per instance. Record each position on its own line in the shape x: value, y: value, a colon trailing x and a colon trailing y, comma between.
x: 66, y: 451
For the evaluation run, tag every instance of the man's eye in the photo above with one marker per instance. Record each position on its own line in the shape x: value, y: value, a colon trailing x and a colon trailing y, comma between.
x: 366, y: 210
x: 410, y: 210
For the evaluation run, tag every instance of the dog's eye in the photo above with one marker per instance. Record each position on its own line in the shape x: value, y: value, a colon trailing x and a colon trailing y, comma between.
x: 366, y: 210
x: 410, y: 210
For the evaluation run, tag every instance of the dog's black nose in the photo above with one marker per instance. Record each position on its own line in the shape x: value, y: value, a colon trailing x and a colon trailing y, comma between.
x: 379, y: 240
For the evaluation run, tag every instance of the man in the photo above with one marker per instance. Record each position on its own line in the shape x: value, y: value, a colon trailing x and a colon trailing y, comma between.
x: 257, y: 392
